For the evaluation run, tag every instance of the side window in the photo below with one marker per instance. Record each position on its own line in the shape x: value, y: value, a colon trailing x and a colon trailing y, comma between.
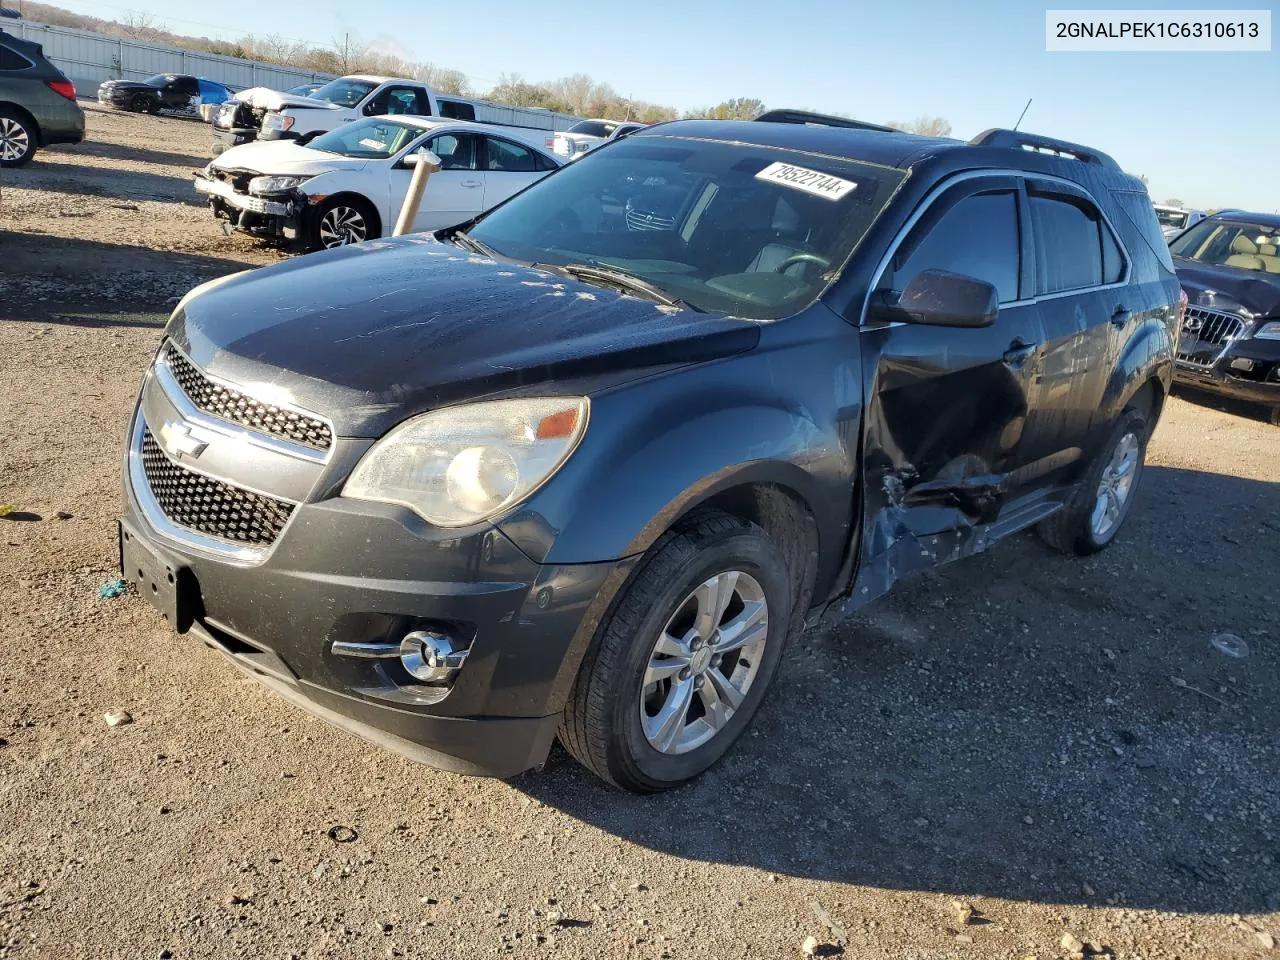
x: 543, y: 163
x: 1112, y: 258
x: 506, y: 157
x: 377, y: 105
x: 457, y: 151
x: 1075, y: 248
x: 401, y: 101
x: 185, y: 86
x: 457, y: 110
x: 977, y: 237
x: 12, y: 60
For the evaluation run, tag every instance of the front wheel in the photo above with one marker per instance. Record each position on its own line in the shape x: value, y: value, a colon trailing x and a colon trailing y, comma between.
x: 139, y: 103
x: 1094, y: 514
x: 341, y: 221
x: 683, y: 662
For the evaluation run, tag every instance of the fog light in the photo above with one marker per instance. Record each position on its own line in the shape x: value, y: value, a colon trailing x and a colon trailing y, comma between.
x: 430, y: 656
x: 1240, y: 363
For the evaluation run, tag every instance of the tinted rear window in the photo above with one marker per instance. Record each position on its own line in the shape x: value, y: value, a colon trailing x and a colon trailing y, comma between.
x: 12, y: 60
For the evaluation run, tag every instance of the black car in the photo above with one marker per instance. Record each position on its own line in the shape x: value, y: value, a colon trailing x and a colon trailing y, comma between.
x: 1229, y: 265
x: 545, y: 475
x: 165, y: 91
x: 37, y: 103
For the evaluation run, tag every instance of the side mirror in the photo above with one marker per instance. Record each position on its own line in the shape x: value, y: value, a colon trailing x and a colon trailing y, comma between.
x: 422, y: 156
x: 941, y: 299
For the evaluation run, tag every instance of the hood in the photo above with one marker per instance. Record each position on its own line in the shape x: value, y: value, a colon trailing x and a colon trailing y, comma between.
x: 373, y: 333
x: 1229, y: 288
x: 268, y: 99
x: 125, y: 85
x: 283, y: 158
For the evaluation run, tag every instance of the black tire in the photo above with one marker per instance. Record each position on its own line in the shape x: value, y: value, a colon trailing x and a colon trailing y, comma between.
x: 317, y: 235
x: 1071, y: 530
x: 1275, y: 416
x: 601, y: 726
x: 19, y: 139
x: 140, y: 103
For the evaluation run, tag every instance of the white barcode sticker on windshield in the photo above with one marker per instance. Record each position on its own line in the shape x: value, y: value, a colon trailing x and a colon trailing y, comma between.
x: 810, y: 181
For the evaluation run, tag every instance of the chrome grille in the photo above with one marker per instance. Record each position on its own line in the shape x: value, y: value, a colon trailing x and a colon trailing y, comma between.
x: 641, y: 220
x: 1206, y: 335
x: 209, y: 506
x: 229, y: 404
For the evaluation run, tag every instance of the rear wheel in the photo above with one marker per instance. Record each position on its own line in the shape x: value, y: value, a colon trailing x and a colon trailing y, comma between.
x: 18, y: 139
x: 140, y: 103
x: 341, y: 221
x: 1096, y: 511
x: 682, y: 664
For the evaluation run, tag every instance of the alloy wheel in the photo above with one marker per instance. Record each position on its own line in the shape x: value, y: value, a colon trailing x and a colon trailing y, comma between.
x: 704, y: 662
x: 1115, y: 487
x: 342, y: 225
x: 14, y: 139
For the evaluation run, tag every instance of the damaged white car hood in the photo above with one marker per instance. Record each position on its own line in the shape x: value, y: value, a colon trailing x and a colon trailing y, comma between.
x: 268, y: 99
x: 284, y: 158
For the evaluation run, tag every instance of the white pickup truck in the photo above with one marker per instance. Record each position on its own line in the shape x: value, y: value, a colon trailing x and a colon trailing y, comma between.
x: 263, y: 114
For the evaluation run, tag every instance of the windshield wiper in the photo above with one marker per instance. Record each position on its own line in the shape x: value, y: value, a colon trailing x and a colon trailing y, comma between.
x: 628, y: 281
x: 475, y: 246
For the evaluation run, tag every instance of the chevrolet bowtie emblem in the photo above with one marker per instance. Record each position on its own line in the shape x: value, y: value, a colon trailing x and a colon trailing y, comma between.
x: 178, y: 441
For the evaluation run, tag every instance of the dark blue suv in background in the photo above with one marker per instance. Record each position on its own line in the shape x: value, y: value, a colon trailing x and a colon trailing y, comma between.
x: 569, y: 471
x: 37, y: 103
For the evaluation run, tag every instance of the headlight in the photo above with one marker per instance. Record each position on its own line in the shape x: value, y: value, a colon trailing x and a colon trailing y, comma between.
x: 1268, y: 331
x: 460, y: 465
x: 260, y: 185
x: 278, y: 121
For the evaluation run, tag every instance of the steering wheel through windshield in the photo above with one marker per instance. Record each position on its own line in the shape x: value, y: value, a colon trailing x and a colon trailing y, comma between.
x: 802, y: 258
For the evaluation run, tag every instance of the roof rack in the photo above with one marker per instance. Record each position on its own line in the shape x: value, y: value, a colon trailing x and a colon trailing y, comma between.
x: 1017, y: 140
x: 818, y: 120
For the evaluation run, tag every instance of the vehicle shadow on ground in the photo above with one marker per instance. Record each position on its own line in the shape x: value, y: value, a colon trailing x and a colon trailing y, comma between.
x: 1237, y: 408
x: 51, y: 279
x: 1008, y: 726
x: 129, y: 186
x: 117, y: 151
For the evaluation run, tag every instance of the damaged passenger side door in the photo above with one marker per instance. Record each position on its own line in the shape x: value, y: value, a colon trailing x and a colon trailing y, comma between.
x: 947, y: 404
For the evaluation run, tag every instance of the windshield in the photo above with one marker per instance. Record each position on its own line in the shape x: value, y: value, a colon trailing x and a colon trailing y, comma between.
x: 344, y: 92
x: 376, y: 138
x: 593, y: 128
x: 159, y: 80
x: 1172, y: 218
x: 1231, y: 243
x: 756, y: 232
x: 302, y: 90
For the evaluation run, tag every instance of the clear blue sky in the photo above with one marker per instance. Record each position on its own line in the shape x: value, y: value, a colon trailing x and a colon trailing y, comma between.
x: 1203, y: 127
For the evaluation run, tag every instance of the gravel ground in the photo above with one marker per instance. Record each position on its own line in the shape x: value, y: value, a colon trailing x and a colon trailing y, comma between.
x: 1023, y: 755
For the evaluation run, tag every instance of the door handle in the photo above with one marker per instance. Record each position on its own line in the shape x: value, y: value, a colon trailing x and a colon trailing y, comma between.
x: 1120, y: 316
x: 1018, y: 353
x: 470, y: 183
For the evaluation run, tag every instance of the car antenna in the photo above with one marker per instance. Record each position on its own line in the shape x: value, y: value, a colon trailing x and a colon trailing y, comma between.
x: 1023, y: 113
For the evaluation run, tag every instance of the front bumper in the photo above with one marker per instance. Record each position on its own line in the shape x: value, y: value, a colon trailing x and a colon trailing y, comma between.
x: 259, y: 216
x: 224, y: 138
x: 1247, y: 369
x: 368, y: 573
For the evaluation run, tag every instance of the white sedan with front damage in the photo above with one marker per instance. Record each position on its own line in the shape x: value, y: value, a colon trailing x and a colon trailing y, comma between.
x: 349, y: 184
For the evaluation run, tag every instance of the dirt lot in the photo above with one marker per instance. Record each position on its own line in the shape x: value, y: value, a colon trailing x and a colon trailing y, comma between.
x: 1053, y: 741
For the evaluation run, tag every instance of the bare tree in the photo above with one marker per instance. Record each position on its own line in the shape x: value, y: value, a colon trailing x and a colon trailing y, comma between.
x: 344, y: 54
x: 925, y: 126
x: 141, y: 26
x: 1174, y: 203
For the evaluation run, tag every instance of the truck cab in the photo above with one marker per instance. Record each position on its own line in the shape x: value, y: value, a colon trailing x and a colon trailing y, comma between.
x: 263, y: 114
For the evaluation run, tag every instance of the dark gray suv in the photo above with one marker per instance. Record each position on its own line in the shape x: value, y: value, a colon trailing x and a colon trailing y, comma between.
x: 37, y: 103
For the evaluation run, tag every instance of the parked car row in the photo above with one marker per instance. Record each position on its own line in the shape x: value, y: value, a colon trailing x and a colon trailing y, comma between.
x: 587, y: 134
x: 170, y: 92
